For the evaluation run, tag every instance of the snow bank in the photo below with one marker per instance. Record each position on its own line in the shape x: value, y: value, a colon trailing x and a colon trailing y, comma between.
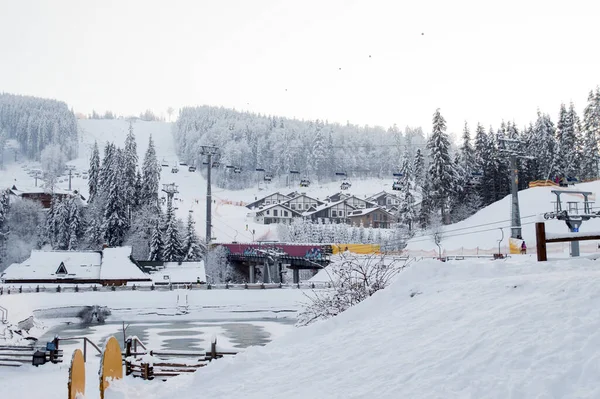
x: 184, y: 273
x: 472, y: 328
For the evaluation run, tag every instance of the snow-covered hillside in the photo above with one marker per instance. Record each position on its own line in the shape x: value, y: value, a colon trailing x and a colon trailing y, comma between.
x: 463, y: 329
x: 229, y: 217
x: 481, y: 232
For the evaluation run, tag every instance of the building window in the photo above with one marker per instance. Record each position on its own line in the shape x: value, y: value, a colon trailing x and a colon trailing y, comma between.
x: 306, y: 206
x: 268, y: 212
x: 389, y: 201
x: 275, y: 212
x: 333, y: 214
x: 375, y: 216
x: 285, y: 213
x: 341, y: 213
x: 293, y: 206
x: 267, y: 202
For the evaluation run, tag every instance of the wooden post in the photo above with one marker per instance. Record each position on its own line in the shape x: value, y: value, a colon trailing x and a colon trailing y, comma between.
x: 84, y: 350
x: 540, y: 238
x: 213, y: 349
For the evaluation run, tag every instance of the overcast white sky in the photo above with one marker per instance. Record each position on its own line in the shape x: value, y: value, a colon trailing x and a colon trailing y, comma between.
x: 476, y: 60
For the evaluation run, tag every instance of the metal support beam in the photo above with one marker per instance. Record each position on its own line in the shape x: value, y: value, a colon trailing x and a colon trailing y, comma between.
x: 251, y: 274
x: 296, y: 276
x: 208, y: 200
x: 515, y: 214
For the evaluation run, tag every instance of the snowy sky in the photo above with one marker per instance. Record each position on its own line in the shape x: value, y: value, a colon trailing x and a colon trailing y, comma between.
x: 476, y: 60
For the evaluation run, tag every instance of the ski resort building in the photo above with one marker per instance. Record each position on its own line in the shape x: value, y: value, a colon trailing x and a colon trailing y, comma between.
x: 302, y: 203
x: 335, y: 212
x: 40, y: 195
x: 378, y: 218
x: 275, y: 198
x: 277, y: 213
x: 359, y: 203
x: 111, y: 266
x: 385, y: 199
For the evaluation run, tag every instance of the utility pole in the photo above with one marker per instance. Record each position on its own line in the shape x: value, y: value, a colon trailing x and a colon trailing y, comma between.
x: 37, y: 174
x: 512, y: 149
x: 209, y: 151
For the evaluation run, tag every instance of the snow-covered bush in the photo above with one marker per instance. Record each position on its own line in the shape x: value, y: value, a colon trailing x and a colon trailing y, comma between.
x: 353, y: 279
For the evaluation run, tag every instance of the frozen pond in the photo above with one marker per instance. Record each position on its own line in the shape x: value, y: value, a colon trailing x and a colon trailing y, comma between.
x: 178, y: 334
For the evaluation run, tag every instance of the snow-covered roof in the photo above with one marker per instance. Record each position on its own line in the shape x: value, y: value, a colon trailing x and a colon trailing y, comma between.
x: 80, y: 265
x: 261, y: 210
x: 326, y: 206
x: 117, y: 265
x: 366, y: 211
x: 381, y: 194
x: 186, y: 272
x: 300, y: 196
x: 258, y: 201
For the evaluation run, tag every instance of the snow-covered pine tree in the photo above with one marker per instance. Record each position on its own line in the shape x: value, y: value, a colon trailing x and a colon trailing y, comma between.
x: 150, y: 175
x: 191, y: 245
x: 106, y: 169
x: 318, y: 152
x: 419, y: 168
x: 61, y: 221
x: 74, y: 224
x: 467, y: 153
x: 94, y: 170
x: 440, y: 169
x: 156, y: 243
x: 544, y: 146
x: 129, y: 163
x: 3, y: 226
x: 591, y: 134
x: 173, y: 249
x: 115, y: 221
x: 426, y: 205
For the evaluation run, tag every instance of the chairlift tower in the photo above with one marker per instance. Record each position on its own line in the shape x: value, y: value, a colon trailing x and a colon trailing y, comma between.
x: 171, y: 190
x: 513, y: 149
x: 70, y: 168
x: 571, y: 215
x: 209, y: 151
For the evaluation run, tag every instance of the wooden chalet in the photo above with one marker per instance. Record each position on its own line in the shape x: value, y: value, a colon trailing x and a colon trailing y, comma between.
x: 302, y: 203
x: 275, y: 198
x: 111, y: 266
x: 359, y: 203
x: 336, y: 212
x: 385, y: 199
x: 276, y: 213
x: 378, y: 218
x: 40, y: 195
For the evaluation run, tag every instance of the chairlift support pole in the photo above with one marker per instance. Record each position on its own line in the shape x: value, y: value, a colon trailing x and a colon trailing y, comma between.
x: 513, y: 151
x: 208, y: 151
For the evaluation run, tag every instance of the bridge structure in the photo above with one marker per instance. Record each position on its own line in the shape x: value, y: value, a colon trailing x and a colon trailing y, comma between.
x: 275, y: 257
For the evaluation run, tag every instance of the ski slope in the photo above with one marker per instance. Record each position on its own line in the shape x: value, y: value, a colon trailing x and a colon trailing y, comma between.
x: 230, y: 222
x: 481, y: 232
x: 463, y: 329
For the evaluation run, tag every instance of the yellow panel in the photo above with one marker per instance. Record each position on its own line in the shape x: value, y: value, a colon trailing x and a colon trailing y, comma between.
x: 111, y: 365
x: 514, y: 245
x: 76, y: 383
x: 356, y: 248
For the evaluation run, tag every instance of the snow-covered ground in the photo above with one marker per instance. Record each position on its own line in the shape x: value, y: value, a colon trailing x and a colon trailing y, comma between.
x: 461, y: 329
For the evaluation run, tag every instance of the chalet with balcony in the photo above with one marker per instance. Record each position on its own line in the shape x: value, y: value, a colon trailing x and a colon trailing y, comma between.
x: 385, y: 200
x: 275, y: 213
x: 335, y: 212
x: 359, y: 203
x: 378, y: 218
x: 40, y: 195
x: 302, y: 203
x: 275, y: 198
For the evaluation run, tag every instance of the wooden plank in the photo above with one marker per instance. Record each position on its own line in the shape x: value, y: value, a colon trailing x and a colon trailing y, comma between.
x: 540, y: 238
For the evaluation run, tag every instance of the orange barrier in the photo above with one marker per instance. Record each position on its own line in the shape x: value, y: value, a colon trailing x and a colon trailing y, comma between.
x: 111, y: 366
x: 542, y: 183
x: 76, y: 384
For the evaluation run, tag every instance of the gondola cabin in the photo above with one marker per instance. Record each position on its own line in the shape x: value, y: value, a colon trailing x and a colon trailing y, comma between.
x: 191, y: 169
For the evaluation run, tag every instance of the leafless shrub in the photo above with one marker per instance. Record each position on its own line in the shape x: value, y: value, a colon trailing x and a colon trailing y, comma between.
x: 353, y: 280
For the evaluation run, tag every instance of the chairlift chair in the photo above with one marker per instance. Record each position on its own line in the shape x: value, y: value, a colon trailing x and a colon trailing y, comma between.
x: 192, y: 169
x: 397, y: 185
x: 304, y: 182
x: 268, y: 177
x: 175, y: 169
x: 345, y: 184
x: 237, y: 170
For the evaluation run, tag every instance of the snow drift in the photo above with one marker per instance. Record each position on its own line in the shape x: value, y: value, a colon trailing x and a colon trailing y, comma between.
x: 472, y: 328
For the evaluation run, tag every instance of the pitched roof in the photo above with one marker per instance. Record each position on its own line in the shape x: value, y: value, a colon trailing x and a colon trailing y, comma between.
x: 303, y: 195
x: 117, y: 265
x: 382, y: 194
x: 326, y: 205
x: 45, y: 265
x: 366, y: 211
x: 258, y: 201
x: 260, y: 211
